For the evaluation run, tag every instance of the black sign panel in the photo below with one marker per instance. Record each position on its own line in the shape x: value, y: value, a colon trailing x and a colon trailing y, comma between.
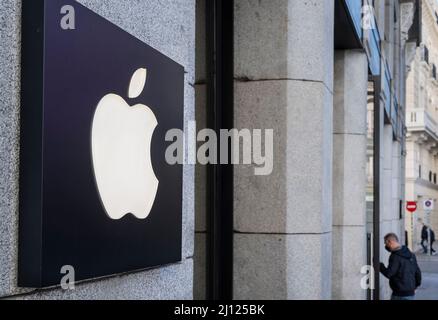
x: 96, y: 192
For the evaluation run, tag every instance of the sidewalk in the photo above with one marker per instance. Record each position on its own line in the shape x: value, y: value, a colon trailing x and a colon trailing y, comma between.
x: 429, y: 270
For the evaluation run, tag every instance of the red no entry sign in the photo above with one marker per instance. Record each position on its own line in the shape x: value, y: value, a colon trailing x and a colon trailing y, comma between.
x: 411, y: 206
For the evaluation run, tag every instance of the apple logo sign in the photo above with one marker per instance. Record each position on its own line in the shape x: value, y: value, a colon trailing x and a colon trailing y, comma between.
x: 121, y: 151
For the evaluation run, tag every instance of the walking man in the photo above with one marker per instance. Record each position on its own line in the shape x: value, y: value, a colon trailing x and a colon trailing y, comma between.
x: 403, y: 272
x: 432, y: 240
x: 425, y: 238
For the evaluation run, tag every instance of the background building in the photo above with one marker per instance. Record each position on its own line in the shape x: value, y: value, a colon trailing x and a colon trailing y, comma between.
x: 422, y: 124
x: 334, y: 93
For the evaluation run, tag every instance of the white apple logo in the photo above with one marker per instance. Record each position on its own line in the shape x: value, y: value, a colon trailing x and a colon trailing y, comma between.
x: 121, y: 149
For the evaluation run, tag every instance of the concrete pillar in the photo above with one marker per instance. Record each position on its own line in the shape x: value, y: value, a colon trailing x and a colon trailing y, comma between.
x: 349, y: 173
x: 284, y: 81
x: 397, y: 189
x: 386, y: 213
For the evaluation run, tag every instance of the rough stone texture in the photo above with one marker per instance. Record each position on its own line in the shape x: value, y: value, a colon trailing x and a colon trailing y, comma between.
x: 10, y: 39
x: 284, y: 39
x: 261, y: 39
x: 296, y: 197
x: 257, y: 208
x: 349, y: 173
x: 170, y: 282
x: 349, y: 179
x: 387, y: 195
x: 188, y: 218
x: 285, y: 266
x: 349, y: 139
x: 349, y: 247
x: 387, y: 192
x: 168, y: 26
x: 284, y: 73
x: 350, y: 88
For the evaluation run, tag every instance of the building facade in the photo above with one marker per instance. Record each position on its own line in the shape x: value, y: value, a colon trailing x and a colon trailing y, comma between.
x: 421, y: 121
x: 329, y: 78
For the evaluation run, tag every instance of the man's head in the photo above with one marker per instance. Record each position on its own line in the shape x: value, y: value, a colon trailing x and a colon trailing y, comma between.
x: 391, y: 242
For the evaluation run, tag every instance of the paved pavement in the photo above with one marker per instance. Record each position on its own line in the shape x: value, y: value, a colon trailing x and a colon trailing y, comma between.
x: 429, y: 270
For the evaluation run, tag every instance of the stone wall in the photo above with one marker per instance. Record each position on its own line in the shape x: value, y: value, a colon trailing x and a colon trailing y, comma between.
x: 168, y: 26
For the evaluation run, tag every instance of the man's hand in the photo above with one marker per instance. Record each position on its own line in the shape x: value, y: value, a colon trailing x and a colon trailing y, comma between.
x: 382, y: 267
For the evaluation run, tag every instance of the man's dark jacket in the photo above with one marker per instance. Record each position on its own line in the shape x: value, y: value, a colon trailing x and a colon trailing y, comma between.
x: 424, y: 234
x: 403, y: 272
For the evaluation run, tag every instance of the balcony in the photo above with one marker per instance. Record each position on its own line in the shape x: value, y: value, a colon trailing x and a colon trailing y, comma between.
x: 420, y: 120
